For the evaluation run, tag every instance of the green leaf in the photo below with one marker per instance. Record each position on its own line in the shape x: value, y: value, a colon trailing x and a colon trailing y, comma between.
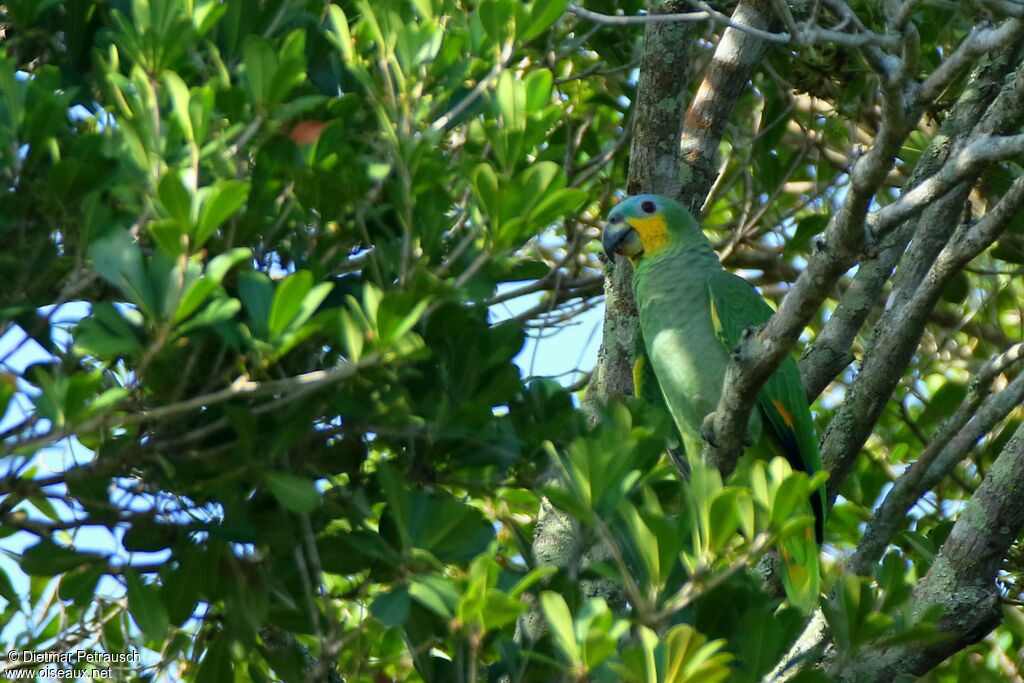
x: 294, y: 493
x: 392, y: 607
x: 217, y: 311
x: 257, y: 293
x: 559, y: 618
x: 46, y: 558
x: 538, y: 90
x: 146, y: 608
x: 395, y: 318
x: 556, y: 205
x: 180, y: 99
x: 534, y: 576
x: 260, y: 66
x: 340, y: 35
x: 542, y: 15
x: 291, y: 69
x: 497, y: 17
x: 310, y: 303
x: 181, y: 588
x: 8, y: 387
x: 541, y: 177
x: 288, y: 298
x: 510, y: 96
x: 485, y: 182
x: 790, y: 497
x: 174, y: 198
x: 7, y: 591
x: 425, y: 8
x: 221, y: 200
x: 806, y: 230
x: 438, y: 523
x: 352, y: 336
x: 724, y: 517
x: 199, y: 290
x: 169, y: 235
x: 436, y: 593
x: 398, y: 500
x: 79, y: 585
x: 216, y: 666
x: 148, y: 536
x: 118, y: 260
x: 206, y: 14
x: 106, y: 334
x: 689, y: 658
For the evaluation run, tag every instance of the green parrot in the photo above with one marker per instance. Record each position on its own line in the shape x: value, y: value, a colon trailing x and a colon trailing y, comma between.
x: 692, y: 313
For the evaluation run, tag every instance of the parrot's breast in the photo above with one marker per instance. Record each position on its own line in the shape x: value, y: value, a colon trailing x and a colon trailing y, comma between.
x: 675, y: 320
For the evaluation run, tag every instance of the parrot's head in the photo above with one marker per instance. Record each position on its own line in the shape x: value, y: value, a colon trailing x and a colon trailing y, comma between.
x: 643, y: 225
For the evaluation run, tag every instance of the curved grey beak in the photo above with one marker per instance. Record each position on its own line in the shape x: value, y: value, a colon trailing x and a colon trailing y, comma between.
x: 620, y: 238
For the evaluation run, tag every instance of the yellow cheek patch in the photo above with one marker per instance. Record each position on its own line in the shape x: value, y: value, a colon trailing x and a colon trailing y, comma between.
x: 653, y: 233
x: 783, y: 412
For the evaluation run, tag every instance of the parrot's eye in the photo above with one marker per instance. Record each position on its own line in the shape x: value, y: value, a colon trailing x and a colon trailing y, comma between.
x: 615, y: 219
x: 649, y: 206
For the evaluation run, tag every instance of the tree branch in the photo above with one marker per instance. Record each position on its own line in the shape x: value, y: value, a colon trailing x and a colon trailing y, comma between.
x: 653, y: 167
x: 961, y: 580
x: 758, y: 355
x: 830, y: 351
x: 977, y: 43
x: 956, y: 437
x: 899, y: 332
x: 731, y: 66
x: 980, y: 150
x: 808, y: 36
x: 293, y: 387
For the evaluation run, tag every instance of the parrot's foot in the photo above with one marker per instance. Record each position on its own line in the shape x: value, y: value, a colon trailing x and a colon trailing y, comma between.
x: 737, y: 351
x: 707, y: 430
x: 870, y: 250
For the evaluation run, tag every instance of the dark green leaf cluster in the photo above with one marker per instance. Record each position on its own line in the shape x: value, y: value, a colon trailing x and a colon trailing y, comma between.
x: 265, y: 414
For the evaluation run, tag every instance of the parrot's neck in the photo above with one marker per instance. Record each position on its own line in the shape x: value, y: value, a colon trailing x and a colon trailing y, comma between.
x: 678, y: 272
x: 693, y: 254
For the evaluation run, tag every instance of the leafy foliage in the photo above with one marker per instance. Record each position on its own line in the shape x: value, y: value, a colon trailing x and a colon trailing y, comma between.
x: 261, y: 419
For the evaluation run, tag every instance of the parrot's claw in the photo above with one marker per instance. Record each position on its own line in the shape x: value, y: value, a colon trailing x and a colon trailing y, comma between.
x: 870, y: 250
x: 737, y: 351
x: 707, y: 431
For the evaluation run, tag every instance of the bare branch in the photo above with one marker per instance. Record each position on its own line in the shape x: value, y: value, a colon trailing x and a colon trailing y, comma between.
x: 638, y: 19
x: 980, y: 151
x: 980, y: 103
x: 705, y: 12
x: 978, y: 42
x: 899, y: 332
x: 952, y: 442
x: 653, y: 167
x: 292, y: 387
x: 735, y: 58
x: 961, y: 580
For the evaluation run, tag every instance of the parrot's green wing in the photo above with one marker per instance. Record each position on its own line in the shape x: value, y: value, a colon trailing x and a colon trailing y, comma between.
x: 782, y: 401
x: 647, y: 388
